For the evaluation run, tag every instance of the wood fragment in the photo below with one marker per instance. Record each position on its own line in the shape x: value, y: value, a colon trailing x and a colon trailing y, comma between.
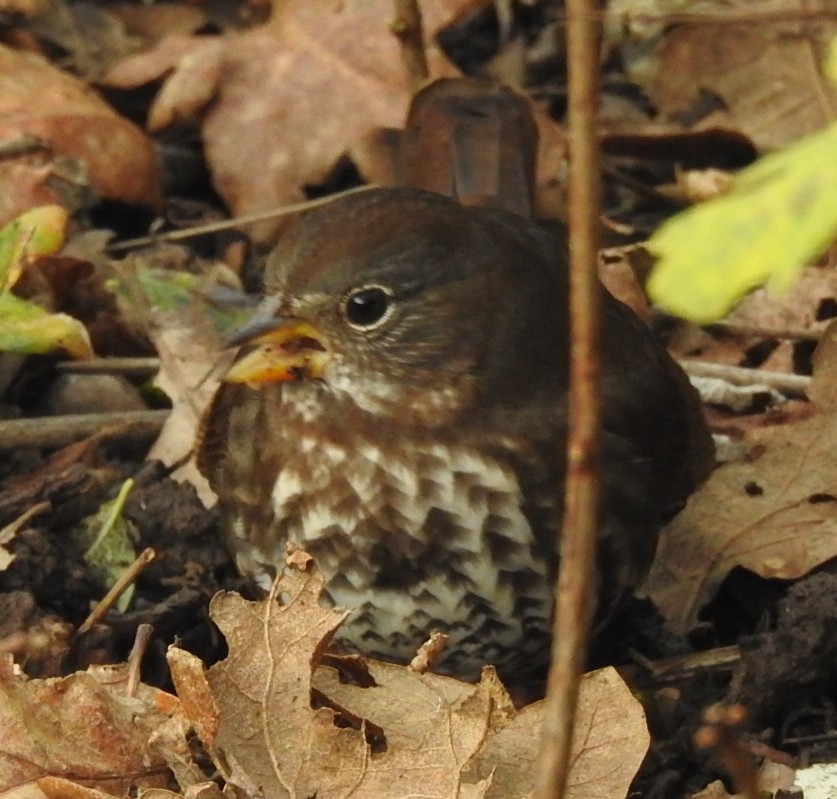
x: 56, y: 431
x: 127, y: 578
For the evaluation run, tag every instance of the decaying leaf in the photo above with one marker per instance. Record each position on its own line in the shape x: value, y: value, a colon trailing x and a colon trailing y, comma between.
x: 81, y: 728
x: 106, y: 538
x: 39, y: 231
x: 190, y: 351
x: 29, y: 329
x: 38, y: 99
x: 290, y: 96
x: 414, y: 734
x: 723, y: 49
x: 774, y: 512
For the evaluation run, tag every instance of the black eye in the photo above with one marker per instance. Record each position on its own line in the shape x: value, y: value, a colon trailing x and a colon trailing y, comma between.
x: 368, y: 307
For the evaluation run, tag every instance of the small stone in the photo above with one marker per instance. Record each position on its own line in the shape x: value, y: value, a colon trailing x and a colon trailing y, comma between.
x: 71, y: 394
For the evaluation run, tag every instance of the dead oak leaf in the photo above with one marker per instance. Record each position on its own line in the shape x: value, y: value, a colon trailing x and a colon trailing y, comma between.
x: 471, y: 735
x: 265, y: 737
x: 434, y: 726
x: 610, y: 741
x: 443, y: 738
x: 775, y: 514
x: 290, y: 96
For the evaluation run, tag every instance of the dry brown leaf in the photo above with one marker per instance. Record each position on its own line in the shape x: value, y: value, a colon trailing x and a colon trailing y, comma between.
x: 290, y: 96
x: 81, y: 727
x: 823, y: 389
x: 611, y: 739
x: 190, y: 354
x: 59, y: 788
x: 443, y: 738
x: 773, y: 777
x: 733, y: 48
x: 156, y: 22
x: 795, y: 308
x: 715, y: 790
x: 37, y: 99
x: 611, y: 735
x: 774, y: 512
x: 798, y: 308
x: 151, y: 65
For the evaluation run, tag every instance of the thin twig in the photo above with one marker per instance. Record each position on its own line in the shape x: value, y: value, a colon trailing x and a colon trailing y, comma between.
x: 740, y: 376
x: 21, y: 145
x: 130, y: 367
x: 8, y: 532
x: 641, y: 188
x: 127, y: 578
x: 231, y: 224
x: 579, y: 534
x: 408, y: 29
x: 56, y: 431
x: 679, y: 667
x: 812, y: 739
x: 141, y: 640
x: 747, y: 15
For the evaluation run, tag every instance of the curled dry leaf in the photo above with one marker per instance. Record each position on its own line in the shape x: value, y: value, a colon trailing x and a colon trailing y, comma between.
x: 433, y: 735
x: 774, y: 512
x: 39, y: 100
x: 80, y: 728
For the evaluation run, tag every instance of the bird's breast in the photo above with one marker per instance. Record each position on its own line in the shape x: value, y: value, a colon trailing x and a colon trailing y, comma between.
x: 415, y: 535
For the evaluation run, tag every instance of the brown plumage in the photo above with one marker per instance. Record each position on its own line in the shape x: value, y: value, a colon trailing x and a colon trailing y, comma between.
x: 401, y: 414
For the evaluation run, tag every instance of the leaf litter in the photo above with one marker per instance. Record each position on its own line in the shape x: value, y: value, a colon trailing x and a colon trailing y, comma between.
x: 434, y: 735
x: 768, y: 515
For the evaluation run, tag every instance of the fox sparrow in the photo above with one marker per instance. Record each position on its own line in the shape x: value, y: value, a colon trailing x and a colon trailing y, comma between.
x: 400, y: 413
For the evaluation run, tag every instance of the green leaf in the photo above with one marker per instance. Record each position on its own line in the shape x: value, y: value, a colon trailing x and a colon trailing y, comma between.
x: 779, y: 214
x: 171, y: 290
x: 39, y: 231
x: 28, y: 329
x: 109, y: 546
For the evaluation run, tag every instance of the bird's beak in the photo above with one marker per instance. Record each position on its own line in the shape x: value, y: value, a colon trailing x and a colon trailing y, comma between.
x: 281, y: 349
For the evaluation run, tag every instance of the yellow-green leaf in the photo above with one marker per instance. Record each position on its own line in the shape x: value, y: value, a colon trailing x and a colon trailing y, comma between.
x: 171, y: 290
x: 27, y: 328
x: 831, y: 62
x: 107, y: 539
x: 39, y: 231
x: 779, y: 214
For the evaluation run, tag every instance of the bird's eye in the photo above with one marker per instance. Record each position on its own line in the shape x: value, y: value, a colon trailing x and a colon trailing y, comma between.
x: 368, y: 307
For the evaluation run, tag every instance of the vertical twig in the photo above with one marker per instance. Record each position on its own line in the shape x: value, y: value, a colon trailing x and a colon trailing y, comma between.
x: 578, y: 538
x: 408, y: 29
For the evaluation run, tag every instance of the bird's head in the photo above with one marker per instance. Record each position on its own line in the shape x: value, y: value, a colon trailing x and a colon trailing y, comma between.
x: 402, y: 301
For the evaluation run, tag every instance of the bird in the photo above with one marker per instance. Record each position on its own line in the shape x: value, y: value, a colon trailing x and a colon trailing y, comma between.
x: 398, y: 409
